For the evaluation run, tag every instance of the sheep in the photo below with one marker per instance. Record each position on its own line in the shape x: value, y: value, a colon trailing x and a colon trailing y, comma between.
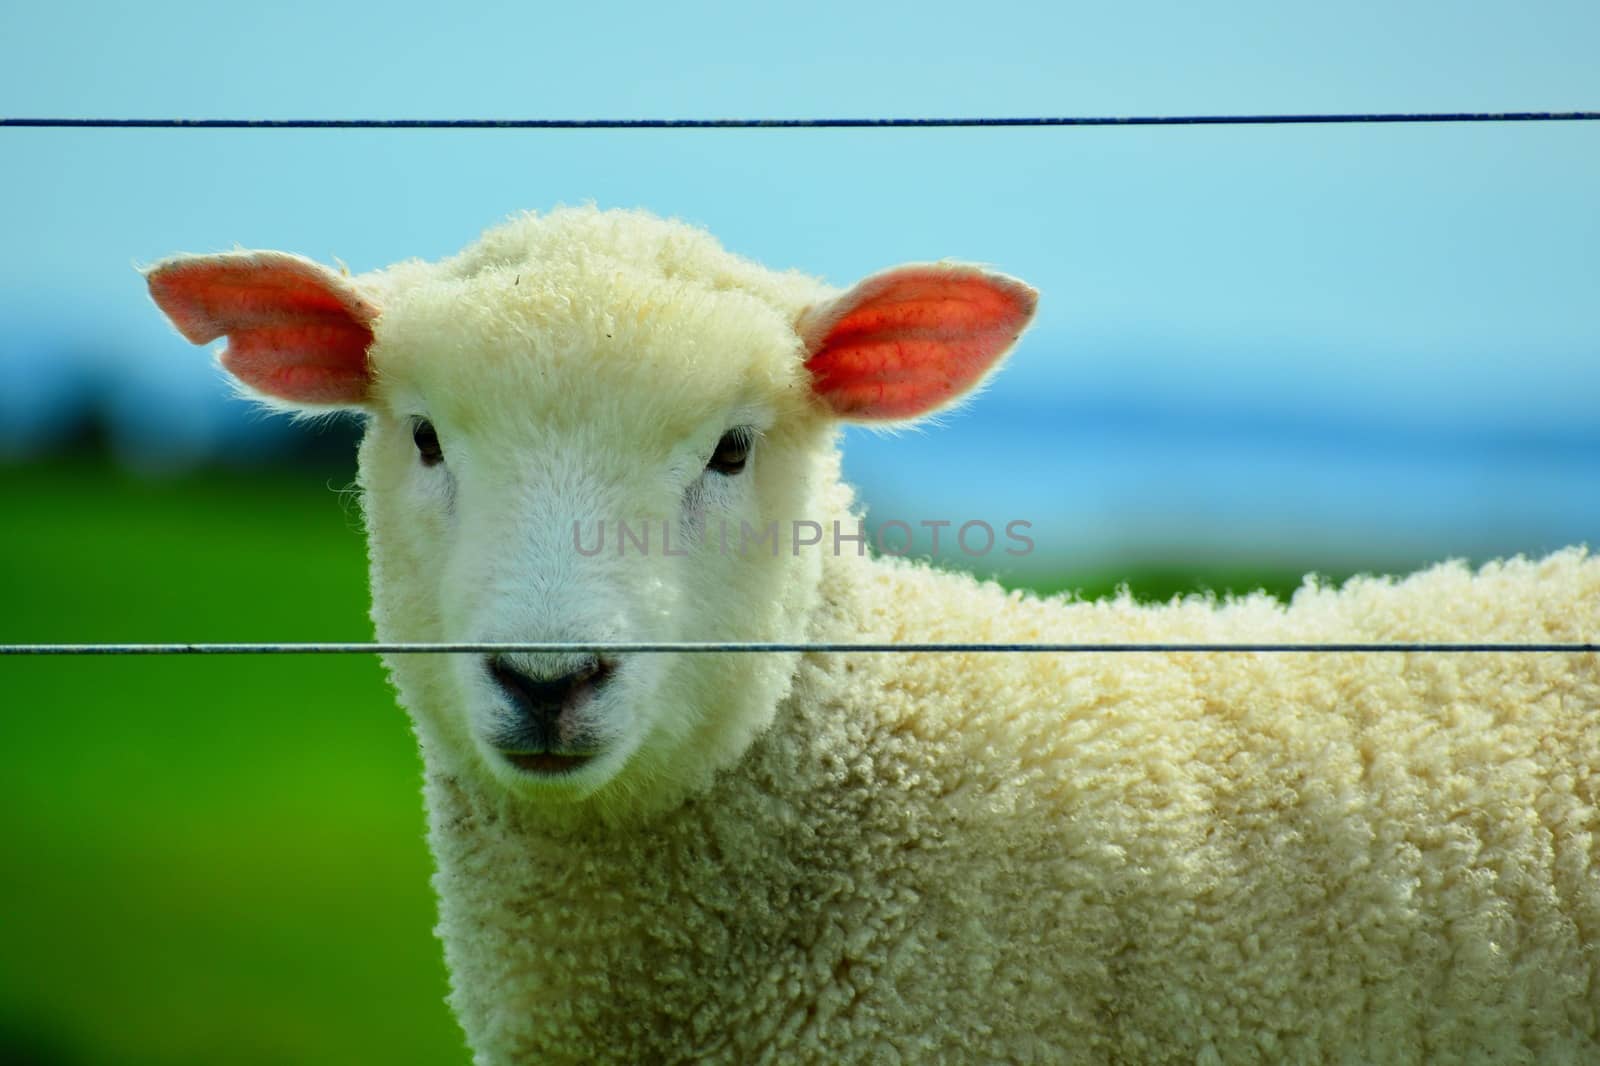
x: 913, y: 857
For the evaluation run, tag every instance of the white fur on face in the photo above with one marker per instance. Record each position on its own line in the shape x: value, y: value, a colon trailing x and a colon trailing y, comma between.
x: 570, y: 396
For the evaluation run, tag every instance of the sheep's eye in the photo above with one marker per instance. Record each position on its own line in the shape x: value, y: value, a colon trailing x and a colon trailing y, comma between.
x: 733, y: 450
x: 426, y: 439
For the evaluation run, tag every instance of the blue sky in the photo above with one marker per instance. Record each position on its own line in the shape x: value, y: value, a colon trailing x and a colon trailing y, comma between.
x: 1356, y: 297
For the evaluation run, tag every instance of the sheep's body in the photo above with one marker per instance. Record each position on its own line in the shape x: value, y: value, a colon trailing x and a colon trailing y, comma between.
x: 1084, y: 858
x: 868, y: 858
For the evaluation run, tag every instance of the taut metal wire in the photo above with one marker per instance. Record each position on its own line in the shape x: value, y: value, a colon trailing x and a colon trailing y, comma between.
x: 791, y: 123
x: 701, y: 647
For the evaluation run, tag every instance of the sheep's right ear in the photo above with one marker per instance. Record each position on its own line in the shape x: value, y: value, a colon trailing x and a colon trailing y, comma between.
x: 912, y: 340
x: 297, y: 331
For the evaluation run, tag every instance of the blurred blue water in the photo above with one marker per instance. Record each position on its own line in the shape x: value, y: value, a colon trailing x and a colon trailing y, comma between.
x: 1115, y: 478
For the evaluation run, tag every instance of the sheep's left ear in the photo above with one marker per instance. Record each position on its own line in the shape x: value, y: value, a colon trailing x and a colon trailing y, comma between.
x: 298, y: 332
x: 911, y: 340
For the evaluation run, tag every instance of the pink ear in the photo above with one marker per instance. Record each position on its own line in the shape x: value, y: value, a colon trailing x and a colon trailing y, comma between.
x: 910, y: 340
x: 296, y: 330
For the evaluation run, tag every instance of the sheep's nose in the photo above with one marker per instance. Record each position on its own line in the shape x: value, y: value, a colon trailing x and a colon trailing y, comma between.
x: 542, y: 700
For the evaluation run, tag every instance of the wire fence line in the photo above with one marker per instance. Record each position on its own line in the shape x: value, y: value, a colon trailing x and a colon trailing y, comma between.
x: 696, y: 647
x: 796, y: 123
x: 832, y: 647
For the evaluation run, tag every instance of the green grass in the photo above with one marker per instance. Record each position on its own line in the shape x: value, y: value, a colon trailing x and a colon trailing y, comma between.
x: 209, y: 860
x: 221, y: 860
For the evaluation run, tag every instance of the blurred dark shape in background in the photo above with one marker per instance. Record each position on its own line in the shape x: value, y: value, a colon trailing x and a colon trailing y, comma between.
x: 62, y: 393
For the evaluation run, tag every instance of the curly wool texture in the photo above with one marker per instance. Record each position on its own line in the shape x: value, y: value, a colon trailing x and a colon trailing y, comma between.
x: 1084, y: 858
x: 877, y: 858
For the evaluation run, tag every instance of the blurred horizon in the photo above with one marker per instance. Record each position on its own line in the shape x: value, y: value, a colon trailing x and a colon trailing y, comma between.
x: 1107, y: 467
x: 1144, y: 478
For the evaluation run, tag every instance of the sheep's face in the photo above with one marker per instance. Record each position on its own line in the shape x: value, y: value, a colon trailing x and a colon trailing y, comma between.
x: 596, y: 428
x: 557, y: 457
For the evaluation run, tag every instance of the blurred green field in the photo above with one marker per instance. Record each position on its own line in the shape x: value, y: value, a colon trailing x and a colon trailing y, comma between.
x: 221, y: 860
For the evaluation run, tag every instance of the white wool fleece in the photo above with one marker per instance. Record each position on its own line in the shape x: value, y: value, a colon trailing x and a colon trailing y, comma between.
x: 913, y: 858
x: 1083, y: 858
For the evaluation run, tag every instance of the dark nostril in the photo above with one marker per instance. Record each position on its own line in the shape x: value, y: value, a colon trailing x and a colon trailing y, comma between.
x: 545, y: 698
